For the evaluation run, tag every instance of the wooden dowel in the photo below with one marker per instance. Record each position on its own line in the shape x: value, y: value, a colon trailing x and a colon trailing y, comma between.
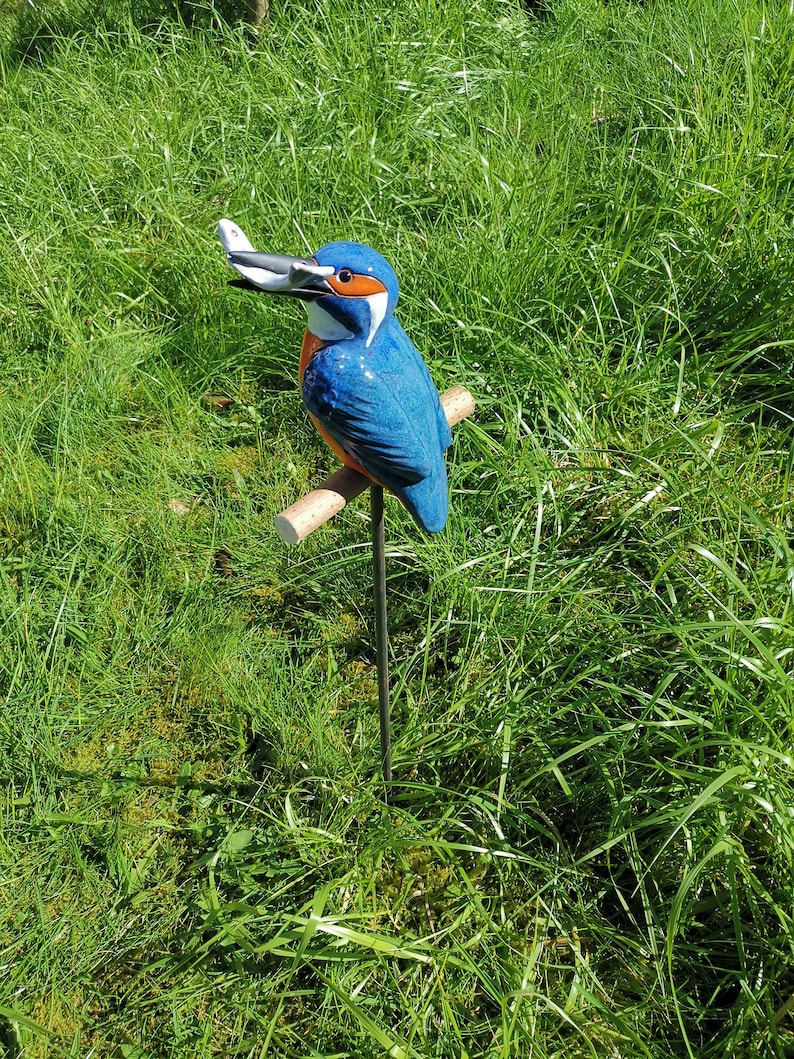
x: 306, y: 515
x: 458, y: 404
x: 310, y: 512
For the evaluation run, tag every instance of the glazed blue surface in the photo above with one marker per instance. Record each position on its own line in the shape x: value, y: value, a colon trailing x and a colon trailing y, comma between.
x: 374, y: 395
x: 379, y: 403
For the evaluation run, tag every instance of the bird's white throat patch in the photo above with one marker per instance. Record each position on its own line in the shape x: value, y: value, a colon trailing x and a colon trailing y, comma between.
x: 324, y: 325
x: 327, y: 328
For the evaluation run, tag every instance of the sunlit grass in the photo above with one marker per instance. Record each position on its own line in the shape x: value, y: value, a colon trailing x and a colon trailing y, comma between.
x: 589, y: 849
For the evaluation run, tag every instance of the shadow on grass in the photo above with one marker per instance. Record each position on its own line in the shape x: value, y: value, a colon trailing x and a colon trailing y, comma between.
x: 38, y: 30
x: 9, y: 1046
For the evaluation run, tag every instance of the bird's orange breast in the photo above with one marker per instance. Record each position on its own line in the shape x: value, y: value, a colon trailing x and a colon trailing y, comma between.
x: 312, y: 345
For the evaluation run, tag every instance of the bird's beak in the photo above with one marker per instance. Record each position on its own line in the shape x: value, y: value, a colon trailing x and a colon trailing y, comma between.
x: 275, y: 273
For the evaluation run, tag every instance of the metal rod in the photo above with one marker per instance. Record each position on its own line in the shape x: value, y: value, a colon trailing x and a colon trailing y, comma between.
x: 381, y: 630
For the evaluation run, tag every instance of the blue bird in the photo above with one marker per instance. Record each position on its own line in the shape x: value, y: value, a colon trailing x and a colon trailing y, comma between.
x: 363, y: 381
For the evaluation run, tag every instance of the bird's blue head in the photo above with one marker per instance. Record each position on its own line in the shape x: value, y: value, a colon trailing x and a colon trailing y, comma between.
x: 349, y: 289
x: 363, y: 294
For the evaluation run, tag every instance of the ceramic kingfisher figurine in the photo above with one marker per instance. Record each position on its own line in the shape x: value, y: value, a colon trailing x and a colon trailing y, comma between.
x: 363, y: 381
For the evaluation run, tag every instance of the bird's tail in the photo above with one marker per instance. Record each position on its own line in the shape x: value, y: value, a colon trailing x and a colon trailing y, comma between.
x: 428, y: 501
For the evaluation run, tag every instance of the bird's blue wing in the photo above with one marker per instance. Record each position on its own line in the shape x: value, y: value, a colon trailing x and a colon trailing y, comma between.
x: 386, y: 419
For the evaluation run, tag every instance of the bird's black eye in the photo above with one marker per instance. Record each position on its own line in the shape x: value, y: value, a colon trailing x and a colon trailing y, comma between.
x: 345, y: 275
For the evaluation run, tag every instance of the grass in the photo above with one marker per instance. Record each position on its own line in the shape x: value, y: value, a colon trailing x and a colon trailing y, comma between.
x: 589, y: 852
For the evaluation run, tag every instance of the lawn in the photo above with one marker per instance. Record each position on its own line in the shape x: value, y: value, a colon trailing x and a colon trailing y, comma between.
x: 589, y: 849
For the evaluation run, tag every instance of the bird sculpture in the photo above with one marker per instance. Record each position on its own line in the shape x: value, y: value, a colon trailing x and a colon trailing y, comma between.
x: 363, y: 381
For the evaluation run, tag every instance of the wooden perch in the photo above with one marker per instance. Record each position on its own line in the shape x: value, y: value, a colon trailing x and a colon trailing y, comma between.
x: 311, y: 511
